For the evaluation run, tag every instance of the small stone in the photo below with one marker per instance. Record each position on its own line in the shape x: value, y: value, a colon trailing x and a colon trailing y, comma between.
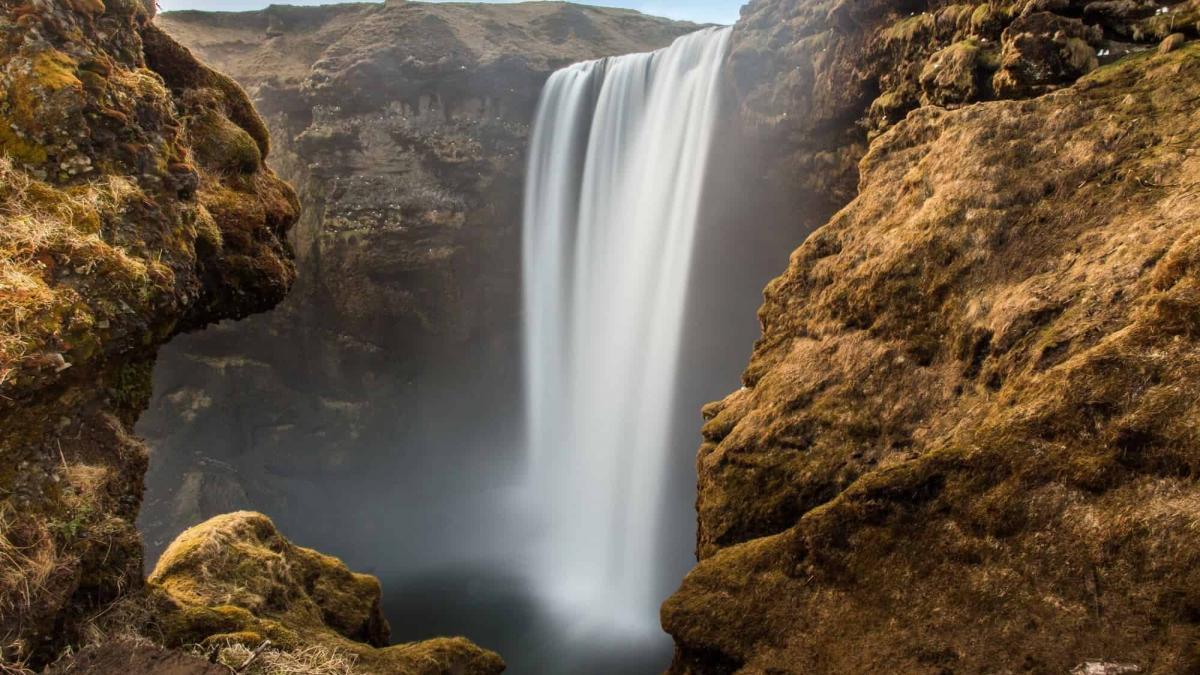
x: 1171, y: 43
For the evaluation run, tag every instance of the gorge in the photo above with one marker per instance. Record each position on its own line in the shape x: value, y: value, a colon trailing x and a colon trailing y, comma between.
x: 964, y: 441
x: 399, y: 391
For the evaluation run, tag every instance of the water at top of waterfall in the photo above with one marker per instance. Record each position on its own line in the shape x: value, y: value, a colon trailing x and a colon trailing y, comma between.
x: 617, y: 166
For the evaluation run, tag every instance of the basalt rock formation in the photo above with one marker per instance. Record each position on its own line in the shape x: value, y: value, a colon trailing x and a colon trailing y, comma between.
x: 134, y: 205
x: 963, y: 443
x: 404, y: 126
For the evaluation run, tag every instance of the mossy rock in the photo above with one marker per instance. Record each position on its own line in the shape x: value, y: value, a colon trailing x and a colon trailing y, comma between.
x: 240, y: 560
x: 235, y: 578
x: 1023, y: 495
x: 104, y: 255
x: 221, y: 145
x: 953, y: 75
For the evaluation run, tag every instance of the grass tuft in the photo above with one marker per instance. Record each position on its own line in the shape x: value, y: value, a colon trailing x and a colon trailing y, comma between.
x: 309, y: 660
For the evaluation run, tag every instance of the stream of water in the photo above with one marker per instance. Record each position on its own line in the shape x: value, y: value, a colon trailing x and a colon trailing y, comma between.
x: 617, y: 170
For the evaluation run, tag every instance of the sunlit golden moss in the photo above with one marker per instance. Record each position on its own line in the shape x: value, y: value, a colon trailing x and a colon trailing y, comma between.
x: 966, y: 441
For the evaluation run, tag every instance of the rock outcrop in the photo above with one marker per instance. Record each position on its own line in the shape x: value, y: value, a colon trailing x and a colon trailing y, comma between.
x: 135, y: 205
x: 816, y: 80
x: 404, y: 127
x: 235, y: 580
x: 963, y: 444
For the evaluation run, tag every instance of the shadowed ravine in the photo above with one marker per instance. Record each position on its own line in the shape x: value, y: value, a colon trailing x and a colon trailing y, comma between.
x: 383, y: 392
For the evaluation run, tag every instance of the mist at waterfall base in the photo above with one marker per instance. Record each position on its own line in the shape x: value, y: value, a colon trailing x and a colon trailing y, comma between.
x: 554, y: 545
x: 645, y: 254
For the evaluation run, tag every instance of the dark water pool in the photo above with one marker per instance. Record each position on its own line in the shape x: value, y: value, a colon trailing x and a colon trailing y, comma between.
x: 502, y: 613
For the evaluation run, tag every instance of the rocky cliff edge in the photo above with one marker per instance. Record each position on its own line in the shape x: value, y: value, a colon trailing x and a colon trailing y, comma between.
x: 964, y: 440
x: 135, y: 204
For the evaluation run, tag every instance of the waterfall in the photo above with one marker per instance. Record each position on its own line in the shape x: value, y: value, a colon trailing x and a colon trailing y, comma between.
x: 617, y: 166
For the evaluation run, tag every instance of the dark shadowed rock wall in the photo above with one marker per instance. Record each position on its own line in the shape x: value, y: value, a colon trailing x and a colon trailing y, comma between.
x: 394, y: 367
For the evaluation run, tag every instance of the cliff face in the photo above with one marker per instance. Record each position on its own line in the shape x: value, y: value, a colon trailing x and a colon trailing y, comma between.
x: 397, y: 358
x: 135, y: 205
x: 816, y: 80
x: 963, y: 441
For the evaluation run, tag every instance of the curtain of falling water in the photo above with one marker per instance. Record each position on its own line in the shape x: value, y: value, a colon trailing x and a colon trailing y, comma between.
x: 617, y: 165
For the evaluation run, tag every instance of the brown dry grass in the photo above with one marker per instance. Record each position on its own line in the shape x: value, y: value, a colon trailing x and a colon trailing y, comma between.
x: 29, y: 560
x: 308, y: 660
x: 42, y: 226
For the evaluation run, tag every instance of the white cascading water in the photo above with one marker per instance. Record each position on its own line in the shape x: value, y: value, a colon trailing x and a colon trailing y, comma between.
x: 617, y: 167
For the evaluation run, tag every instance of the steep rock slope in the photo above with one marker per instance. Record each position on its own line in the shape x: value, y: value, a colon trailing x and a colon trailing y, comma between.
x: 404, y: 126
x: 963, y: 444
x: 817, y: 79
x: 134, y: 204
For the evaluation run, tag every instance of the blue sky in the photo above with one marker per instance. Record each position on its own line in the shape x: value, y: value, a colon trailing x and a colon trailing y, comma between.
x: 703, y: 11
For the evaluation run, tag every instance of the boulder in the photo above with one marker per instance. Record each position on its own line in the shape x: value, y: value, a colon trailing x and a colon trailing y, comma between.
x: 235, y: 580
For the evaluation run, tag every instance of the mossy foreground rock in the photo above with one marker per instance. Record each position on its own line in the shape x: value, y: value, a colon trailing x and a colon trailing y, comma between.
x: 967, y: 437
x: 235, y: 579
x: 116, y: 233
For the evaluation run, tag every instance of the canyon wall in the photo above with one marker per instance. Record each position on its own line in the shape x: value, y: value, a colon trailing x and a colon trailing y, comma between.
x: 962, y: 444
x: 395, y: 365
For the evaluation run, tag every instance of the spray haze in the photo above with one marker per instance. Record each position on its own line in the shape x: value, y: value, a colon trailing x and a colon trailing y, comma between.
x: 386, y: 413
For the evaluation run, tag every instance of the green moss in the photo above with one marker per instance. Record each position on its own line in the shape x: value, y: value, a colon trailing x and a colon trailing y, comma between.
x: 244, y: 638
x: 71, y: 528
x: 20, y: 149
x: 906, y: 30
x: 222, y: 145
x: 132, y: 384
x: 55, y: 70
x: 195, y: 625
x: 989, y: 19
x: 1134, y: 66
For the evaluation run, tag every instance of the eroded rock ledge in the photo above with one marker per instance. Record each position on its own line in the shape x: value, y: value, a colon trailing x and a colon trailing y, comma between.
x: 964, y: 440
x: 134, y: 204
